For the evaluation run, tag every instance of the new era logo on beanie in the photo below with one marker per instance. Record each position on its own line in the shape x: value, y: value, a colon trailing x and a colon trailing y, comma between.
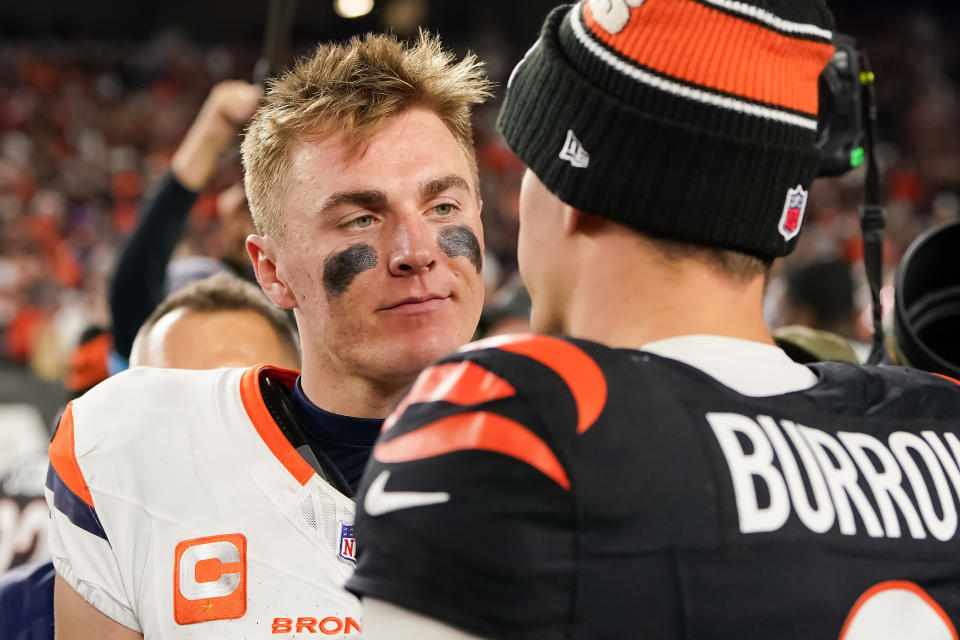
x: 613, y: 15
x: 573, y: 152
x: 699, y: 114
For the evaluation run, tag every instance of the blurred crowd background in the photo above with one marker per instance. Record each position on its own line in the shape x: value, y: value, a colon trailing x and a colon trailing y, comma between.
x: 94, y: 100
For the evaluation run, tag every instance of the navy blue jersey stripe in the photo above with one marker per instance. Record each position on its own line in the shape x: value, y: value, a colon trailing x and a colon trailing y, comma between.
x: 70, y: 505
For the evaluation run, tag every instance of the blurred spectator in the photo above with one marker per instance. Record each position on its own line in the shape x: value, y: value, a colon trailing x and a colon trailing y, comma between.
x: 220, y: 321
x: 506, y: 312
x: 26, y: 602
x: 86, y: 131
x: 819, y: 295
x: 89, y: 363
x: 144, y: 274
x: 24, y: 438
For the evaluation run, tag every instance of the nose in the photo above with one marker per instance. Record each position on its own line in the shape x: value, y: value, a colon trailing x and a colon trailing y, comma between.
x: 414, y: 248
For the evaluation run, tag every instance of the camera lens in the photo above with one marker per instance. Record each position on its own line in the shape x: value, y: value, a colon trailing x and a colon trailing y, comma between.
x: 927, y: 308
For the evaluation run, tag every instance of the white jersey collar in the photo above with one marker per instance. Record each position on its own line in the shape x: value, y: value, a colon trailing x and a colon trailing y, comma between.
x: 750, y: 368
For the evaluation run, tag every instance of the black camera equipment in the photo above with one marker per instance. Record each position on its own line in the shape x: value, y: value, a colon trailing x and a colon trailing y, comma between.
x: 840, y: 131
x: 927, y: 306
x: 276, y: 44
x: 846, y: 136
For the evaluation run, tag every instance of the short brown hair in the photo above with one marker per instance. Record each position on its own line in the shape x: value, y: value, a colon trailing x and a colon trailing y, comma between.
x: 736, y: 265
x: 225, y: 292
x: 354, y: 87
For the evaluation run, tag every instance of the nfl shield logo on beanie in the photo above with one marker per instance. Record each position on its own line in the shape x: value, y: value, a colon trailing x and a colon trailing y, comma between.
x: 793, y: 208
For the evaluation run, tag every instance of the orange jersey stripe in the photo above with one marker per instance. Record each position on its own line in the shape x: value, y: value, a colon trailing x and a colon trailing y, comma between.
x: 578, y: 370
x: 63, y: 458
x: 477, y: 430
x: 267, y: 427
x: 723, y: 52
x: 462, y: 383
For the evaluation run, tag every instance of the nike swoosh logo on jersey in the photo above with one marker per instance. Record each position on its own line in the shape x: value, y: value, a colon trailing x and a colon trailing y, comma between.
x: 378, y: 501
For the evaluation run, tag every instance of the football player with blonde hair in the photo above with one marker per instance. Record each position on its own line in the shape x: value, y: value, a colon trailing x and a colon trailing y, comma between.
x: 218, y: 503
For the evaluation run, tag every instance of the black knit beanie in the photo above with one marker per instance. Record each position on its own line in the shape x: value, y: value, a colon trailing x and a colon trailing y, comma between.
x: 689, y: 119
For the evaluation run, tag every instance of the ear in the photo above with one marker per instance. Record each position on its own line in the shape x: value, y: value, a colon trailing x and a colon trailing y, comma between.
x: 577, y: 221
x: 263, y: 256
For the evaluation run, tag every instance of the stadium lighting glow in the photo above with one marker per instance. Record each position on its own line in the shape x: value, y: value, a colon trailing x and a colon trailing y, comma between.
x: 352, y: 8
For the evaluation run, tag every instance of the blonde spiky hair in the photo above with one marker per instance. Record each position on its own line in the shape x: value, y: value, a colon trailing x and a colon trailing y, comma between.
x: 354, y: 87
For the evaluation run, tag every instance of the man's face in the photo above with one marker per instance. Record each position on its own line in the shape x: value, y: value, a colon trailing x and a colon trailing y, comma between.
x: 381, y: 253
x: 540, y: 242
x: 187, y: 339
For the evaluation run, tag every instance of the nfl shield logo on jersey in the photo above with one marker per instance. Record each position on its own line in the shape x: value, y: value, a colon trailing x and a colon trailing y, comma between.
x: 348, y: 544
x: 793, y: 210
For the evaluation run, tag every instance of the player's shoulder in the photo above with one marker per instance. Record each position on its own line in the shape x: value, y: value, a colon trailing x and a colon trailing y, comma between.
x: 526, y: 377
x: 557, y: 359
x: 527, y: 344
x: 146, y: 400
x: 915, y: 379
x: 143, y: 387
x: 888, y: 390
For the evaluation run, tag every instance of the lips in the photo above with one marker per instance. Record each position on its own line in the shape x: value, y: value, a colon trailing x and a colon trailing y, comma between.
x: 416, y: 304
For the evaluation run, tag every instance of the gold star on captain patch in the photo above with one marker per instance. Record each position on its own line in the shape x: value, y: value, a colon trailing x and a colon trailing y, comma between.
x: 207, y: 607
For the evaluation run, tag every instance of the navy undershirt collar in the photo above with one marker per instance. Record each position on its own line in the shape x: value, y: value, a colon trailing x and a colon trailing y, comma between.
x: 346, y: 440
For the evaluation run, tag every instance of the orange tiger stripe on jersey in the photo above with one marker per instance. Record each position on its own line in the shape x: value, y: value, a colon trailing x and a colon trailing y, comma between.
x: 953, y: 380
x: 63, y: 458
x: 477, y: 430
x: 733, y: 55
x: 578, y: 370
x: 462, y: 383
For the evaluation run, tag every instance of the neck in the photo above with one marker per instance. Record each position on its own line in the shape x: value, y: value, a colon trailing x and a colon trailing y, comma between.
x: 625, y: 297
x: 337, y: 391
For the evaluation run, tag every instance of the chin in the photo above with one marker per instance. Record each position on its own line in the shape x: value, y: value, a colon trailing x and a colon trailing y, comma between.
x: 407, y: 346
x: 406, y: 356
x: 432, y: 348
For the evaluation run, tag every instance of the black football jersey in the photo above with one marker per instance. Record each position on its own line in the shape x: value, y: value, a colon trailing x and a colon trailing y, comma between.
x: 539, y: 487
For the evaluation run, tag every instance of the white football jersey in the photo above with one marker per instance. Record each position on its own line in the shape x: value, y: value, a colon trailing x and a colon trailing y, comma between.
x: 180, y: 510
